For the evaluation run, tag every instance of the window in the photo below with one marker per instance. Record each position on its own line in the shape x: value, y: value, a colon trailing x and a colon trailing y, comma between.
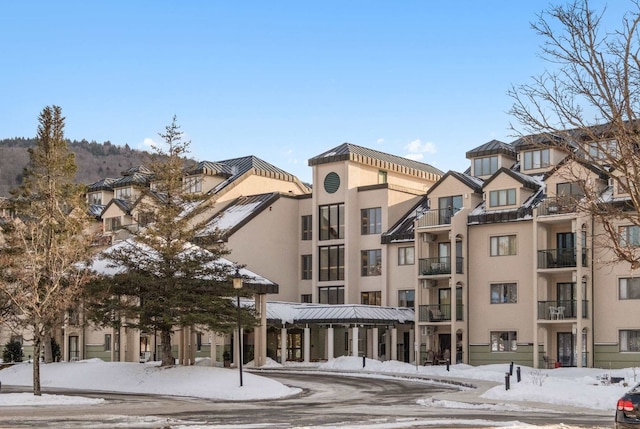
x: 382, y: 176
x: 629, y: 236
x: 505, y: 341
x: 331, y: 221
x: 371, y: 298
x: 193, y: 184
x: 146, y: 218
x: 307, y: 228
x: 536, y: 159
x: 503, y: 197
x: 569, y: 189
x: 503, y: 245
x: 112, y: 223
x: 123, y: 193
x: 371, y: 221
x: 407, y: 298
x: 331, y: 295
x: 406, y: 256
x: 331, y: 264
x: 306, y: 267
x: 603, y: 150
x: 504, y: 293
x: 107, y: 342
x: 306, y: 298
x: 485, y: 166
x: 629, y: 288
x: 198, y: 341
x: 630, y: 340
x: 371, y: 262
x: 73, y: 317
x: 95, y: 198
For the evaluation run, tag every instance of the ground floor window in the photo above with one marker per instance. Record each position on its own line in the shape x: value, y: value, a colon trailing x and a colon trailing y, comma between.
x: 504, y: 341
x: 331, y: 295
x: 630, y: 340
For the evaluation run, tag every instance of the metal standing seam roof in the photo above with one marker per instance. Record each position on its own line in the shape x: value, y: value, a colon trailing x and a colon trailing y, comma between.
x: 345, y: 313
x: 348, y: 151
x: 105, y: 184
x: 404, y: 228
x: 494, y: 147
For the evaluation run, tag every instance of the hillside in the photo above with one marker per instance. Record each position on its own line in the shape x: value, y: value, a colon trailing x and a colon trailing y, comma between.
x: 95, y: 160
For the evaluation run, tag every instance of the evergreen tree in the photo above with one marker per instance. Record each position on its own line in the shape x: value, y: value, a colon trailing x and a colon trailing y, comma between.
x: 46, y: 241
x: 167, y: 282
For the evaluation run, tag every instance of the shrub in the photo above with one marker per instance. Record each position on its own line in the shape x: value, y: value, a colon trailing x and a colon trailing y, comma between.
x: 12, y: 351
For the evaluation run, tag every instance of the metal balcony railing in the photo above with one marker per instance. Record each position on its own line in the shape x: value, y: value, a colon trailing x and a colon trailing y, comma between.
x: 557, y: 205
x: 561, y: 309
x: 438, y: 312
x: 561, y: 258
x: 437, y: 217
x: 440, y: 265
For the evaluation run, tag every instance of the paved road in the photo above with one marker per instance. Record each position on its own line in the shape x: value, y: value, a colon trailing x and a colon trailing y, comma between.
x: 327, y: 400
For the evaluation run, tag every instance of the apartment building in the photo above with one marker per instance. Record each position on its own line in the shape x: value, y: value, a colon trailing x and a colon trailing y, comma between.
x: 394, y: 259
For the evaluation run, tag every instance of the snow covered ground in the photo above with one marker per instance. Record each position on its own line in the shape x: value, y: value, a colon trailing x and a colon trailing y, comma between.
x: 571, y: 387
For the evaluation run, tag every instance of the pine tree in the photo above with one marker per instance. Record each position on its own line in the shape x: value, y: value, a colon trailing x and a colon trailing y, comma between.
x: 167, y: 282
x: 46, y: 241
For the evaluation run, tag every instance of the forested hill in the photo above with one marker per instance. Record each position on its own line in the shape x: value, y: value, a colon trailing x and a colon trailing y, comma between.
x: 95, y: 160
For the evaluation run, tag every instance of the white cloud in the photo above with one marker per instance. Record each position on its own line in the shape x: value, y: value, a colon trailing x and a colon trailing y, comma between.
x: 415, y: 156
x: 417, y: 147
x: 380, y: 140
x: 148, y: 142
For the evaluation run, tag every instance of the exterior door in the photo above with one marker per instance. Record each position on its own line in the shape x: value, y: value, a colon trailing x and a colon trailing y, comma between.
x: 448, y: 206
x: 566, y: 248
x: 294, y: 346
x: 566, y: 349
x: 444, y: 257
x: 566, y: 298
x: 74, y: 350
x: 444, y: 302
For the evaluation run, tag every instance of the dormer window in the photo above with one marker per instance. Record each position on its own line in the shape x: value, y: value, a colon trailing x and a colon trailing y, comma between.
x: 95, y: 198
x: 123, y: 193
x: 536, y: 159
x: 485, y: 166
x: 503, y: 197
x: 193, y: 185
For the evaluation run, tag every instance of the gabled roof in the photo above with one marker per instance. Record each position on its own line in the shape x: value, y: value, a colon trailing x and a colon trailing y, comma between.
x: 138, y: 169
x: 238, y: 213
x: 474, y: 183
x: 526, y: 181
x: 95, y: 210
x: 210, y: 169
x: 363, y: 155
x: 494, y: 147
x: 105, y: 184
x: 403, y: 230
x: 533, y: 141
x: 123, y: 205
x: 131, y: 179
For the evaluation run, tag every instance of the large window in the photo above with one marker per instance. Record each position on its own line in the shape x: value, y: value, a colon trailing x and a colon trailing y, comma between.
x: 306, y: 298
x: 371, y: 298
x: 123, y: 193
x: 95, y: 198
x: 371, y: 221
x: 630, y: 340
x: 485, y: 166
x: 193, y: 184
x: 629, y: 235
x: 407, y: 298
x: 406, y: 256
x: 503, y: 197
x: 371, y: 262
x: 307, y: 227
x: 107, y: 342
x: 629, y: 288
x: 603, y: 150
x: 504, y: 293
x: 331, y: 221
x: 569, y: 189
x: 306, y: 267
x: 504, y: 341
x: 331, y: 264
x: 536, y: 159
x: 503, y: 245
x: 112, y: 223
x: 331, y: 295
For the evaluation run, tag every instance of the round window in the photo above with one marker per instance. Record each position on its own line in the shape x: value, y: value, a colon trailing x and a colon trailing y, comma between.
x: 331, y: 183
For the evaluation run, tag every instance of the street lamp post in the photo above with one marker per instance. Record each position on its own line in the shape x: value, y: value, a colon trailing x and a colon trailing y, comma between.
x: 237, y: 285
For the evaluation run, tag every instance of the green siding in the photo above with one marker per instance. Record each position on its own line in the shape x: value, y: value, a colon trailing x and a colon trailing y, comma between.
x: 609, y: 356
x: 97, y: 352
x: 482, y: 355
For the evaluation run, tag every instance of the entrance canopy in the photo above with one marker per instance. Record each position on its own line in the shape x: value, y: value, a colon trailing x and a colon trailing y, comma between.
x: 296, y: 313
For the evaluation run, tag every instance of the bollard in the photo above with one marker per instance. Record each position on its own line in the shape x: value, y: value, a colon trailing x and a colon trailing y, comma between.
x: 511, y: 368
x: 507, y: 385
x: 448, y: 365
x: 518, y: 376
x: 364, y: 360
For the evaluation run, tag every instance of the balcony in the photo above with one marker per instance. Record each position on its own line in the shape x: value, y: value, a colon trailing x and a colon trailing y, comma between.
x: 437, y: 217
x: 561, y: 309
x: 438, y: 266
x: 557, y: 205
x: 438, y: 313
x: 560, y: 258
x: 501, y: 216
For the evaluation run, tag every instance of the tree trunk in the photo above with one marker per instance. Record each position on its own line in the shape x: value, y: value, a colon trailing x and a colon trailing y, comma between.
x: 37, y: 348
x: 165, y: 348
x: 48, y: 352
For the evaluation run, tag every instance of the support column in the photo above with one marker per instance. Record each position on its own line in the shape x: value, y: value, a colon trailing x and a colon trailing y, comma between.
x: 213, y: 340
x: 354, y: 341
x: 261, y: 345
x: 330, y: 343
x: 394, y: 343
x: 374, y: 343
x: 412, y: 343
x: 193, y: 346
x: 307, y: 344
x: 283, y: 345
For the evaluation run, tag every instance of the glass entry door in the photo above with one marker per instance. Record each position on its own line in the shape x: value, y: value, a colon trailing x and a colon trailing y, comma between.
x: 566, y: 349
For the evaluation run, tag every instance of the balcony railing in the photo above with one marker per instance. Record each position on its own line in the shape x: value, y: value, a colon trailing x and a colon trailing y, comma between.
x: 438, y: 312
x: 560, y: 258
x: 557, y: 205
x: 441, y: 265
x: 437, y: 217
x: 561, y: 309
x: 500, y: 216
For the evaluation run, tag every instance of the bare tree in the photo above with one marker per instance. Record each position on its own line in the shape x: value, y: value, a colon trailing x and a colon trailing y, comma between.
x: 587, y: 103
x: 45, y: 242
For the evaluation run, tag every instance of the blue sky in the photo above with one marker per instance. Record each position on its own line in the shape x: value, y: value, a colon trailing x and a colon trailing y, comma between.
x: 282, y: 80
